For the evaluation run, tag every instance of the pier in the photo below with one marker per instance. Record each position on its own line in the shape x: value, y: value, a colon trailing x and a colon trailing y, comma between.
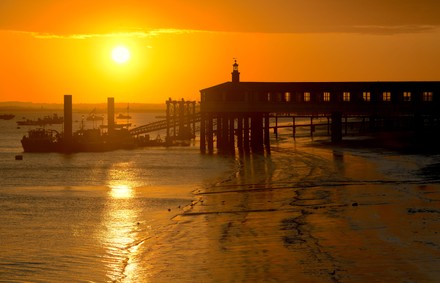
x: 240, y: 114
x: 243, y: 115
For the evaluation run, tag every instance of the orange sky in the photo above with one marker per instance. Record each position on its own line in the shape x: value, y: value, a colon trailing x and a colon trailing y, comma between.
x: 52, y: 47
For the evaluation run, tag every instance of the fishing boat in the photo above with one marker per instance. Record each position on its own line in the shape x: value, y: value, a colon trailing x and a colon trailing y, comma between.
x: 93, y: 117
x: 42, y: 140
x: 83, y: 140
x: 124, y: 116
x: 47, y: 120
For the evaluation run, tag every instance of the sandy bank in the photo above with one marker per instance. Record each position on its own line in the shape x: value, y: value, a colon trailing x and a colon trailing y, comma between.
x: 306, y: 215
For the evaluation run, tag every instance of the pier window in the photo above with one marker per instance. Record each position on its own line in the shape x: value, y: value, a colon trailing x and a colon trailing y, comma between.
x: 386, y: 96
x: 346, y: 96
x: 366, y: 96
x: 407, y: 96
x: 326, y: 96
x: 306, y: 96
x: 427, y: 96
x: 287, y: 97
x: 279, y: 97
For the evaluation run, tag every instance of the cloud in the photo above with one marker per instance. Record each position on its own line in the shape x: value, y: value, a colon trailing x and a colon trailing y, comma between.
x: 391, y: 30
x: 132, y: 34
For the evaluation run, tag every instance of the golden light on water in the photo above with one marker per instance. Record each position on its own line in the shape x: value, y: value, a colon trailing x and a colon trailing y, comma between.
x: 121, y: 191
x: 120, y: 236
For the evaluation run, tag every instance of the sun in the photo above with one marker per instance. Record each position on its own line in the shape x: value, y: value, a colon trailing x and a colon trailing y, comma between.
x: 120, y: 54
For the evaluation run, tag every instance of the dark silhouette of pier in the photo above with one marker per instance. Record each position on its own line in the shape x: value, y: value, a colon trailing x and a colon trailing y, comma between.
x: 180, y: 122
x: 241, y: 114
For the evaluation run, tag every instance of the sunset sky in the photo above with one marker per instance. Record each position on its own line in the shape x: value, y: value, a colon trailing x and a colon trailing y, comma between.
x: 53, y: 47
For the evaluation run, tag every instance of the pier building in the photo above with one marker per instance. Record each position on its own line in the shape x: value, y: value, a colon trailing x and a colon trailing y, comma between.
x: 238, y: 114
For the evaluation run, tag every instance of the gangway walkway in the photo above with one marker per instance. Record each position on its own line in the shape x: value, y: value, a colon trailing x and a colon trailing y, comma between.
x: 163, y: 125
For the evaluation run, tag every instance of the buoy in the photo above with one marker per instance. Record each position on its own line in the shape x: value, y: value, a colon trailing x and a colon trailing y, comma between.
x: 19, y: 157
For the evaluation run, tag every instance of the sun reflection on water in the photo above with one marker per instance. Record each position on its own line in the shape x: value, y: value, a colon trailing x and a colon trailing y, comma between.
x: 121, y: 191
x: 120, y: 231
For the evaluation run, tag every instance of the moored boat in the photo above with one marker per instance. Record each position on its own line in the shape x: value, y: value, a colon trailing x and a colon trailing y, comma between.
x: 42, y: 140
x: 83, y: 140
x: 47, y: 120
x: 6, y: 116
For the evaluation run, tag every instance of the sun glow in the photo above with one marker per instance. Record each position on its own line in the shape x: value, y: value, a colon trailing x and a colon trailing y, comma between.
x: 121, y: 54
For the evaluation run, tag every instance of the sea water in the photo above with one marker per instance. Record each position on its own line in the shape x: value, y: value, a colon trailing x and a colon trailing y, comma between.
x: 78, y: 217
x: 87, y: 217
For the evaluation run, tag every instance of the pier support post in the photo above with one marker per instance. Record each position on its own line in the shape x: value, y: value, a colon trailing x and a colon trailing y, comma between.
x: 210, y: 133
x: 246, y: 134
x: 267, y: 133
x: 293, y: 128
x: 257, y: 132
x: 202, y: 132
x: 240, y: 132
x: 68, y: 121
x: 168, y: 102
x: 111, y: 114
x: 231, y: 140
x: 336, y: 127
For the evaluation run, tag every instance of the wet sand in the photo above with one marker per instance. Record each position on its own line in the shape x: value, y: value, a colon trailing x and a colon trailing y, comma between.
x: 305, y: 214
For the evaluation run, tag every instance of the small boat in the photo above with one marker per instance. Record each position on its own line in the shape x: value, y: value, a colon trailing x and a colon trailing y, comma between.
x: 6, y: 116
x: 93, y: 117
x: 145, y: 141
x: 47, y: 120
x: 123, y: 116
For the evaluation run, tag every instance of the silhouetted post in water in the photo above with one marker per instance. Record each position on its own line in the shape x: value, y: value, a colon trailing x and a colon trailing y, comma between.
x: 68, y: 121
x: 266, y: 132
x: 231, y: 140
x: 210, y: 132
x: 168, y: 117
x: 194, y: 119
x: 293, y: 128
x: 225, y: 137
x: 246, y: 134
x: 257, y: 132
x: 203, y: 131
x: 336, y: 127
x: 111, y: 114
x: 181, y: 117
x: 240, y: 132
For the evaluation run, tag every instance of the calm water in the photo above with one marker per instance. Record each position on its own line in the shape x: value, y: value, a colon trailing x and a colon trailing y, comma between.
x: 84, y: 217
x: 78, y: 217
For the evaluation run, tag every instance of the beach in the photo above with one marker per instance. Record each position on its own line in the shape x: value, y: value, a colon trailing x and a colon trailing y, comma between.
x: 307, y: 214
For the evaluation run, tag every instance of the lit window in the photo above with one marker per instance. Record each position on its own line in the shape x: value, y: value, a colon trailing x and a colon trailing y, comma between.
x: 386, y: 96
x: 346, y: 96
x: 287, y: 97
x: 407, y: 96
x: 268, y: 96
x: 306, y: 96
x: 427, y: 96
x: 326, y: 96
x: 366, y: 96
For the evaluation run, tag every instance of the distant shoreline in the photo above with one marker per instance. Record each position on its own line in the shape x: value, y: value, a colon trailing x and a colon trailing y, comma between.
x: 10, y: 106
